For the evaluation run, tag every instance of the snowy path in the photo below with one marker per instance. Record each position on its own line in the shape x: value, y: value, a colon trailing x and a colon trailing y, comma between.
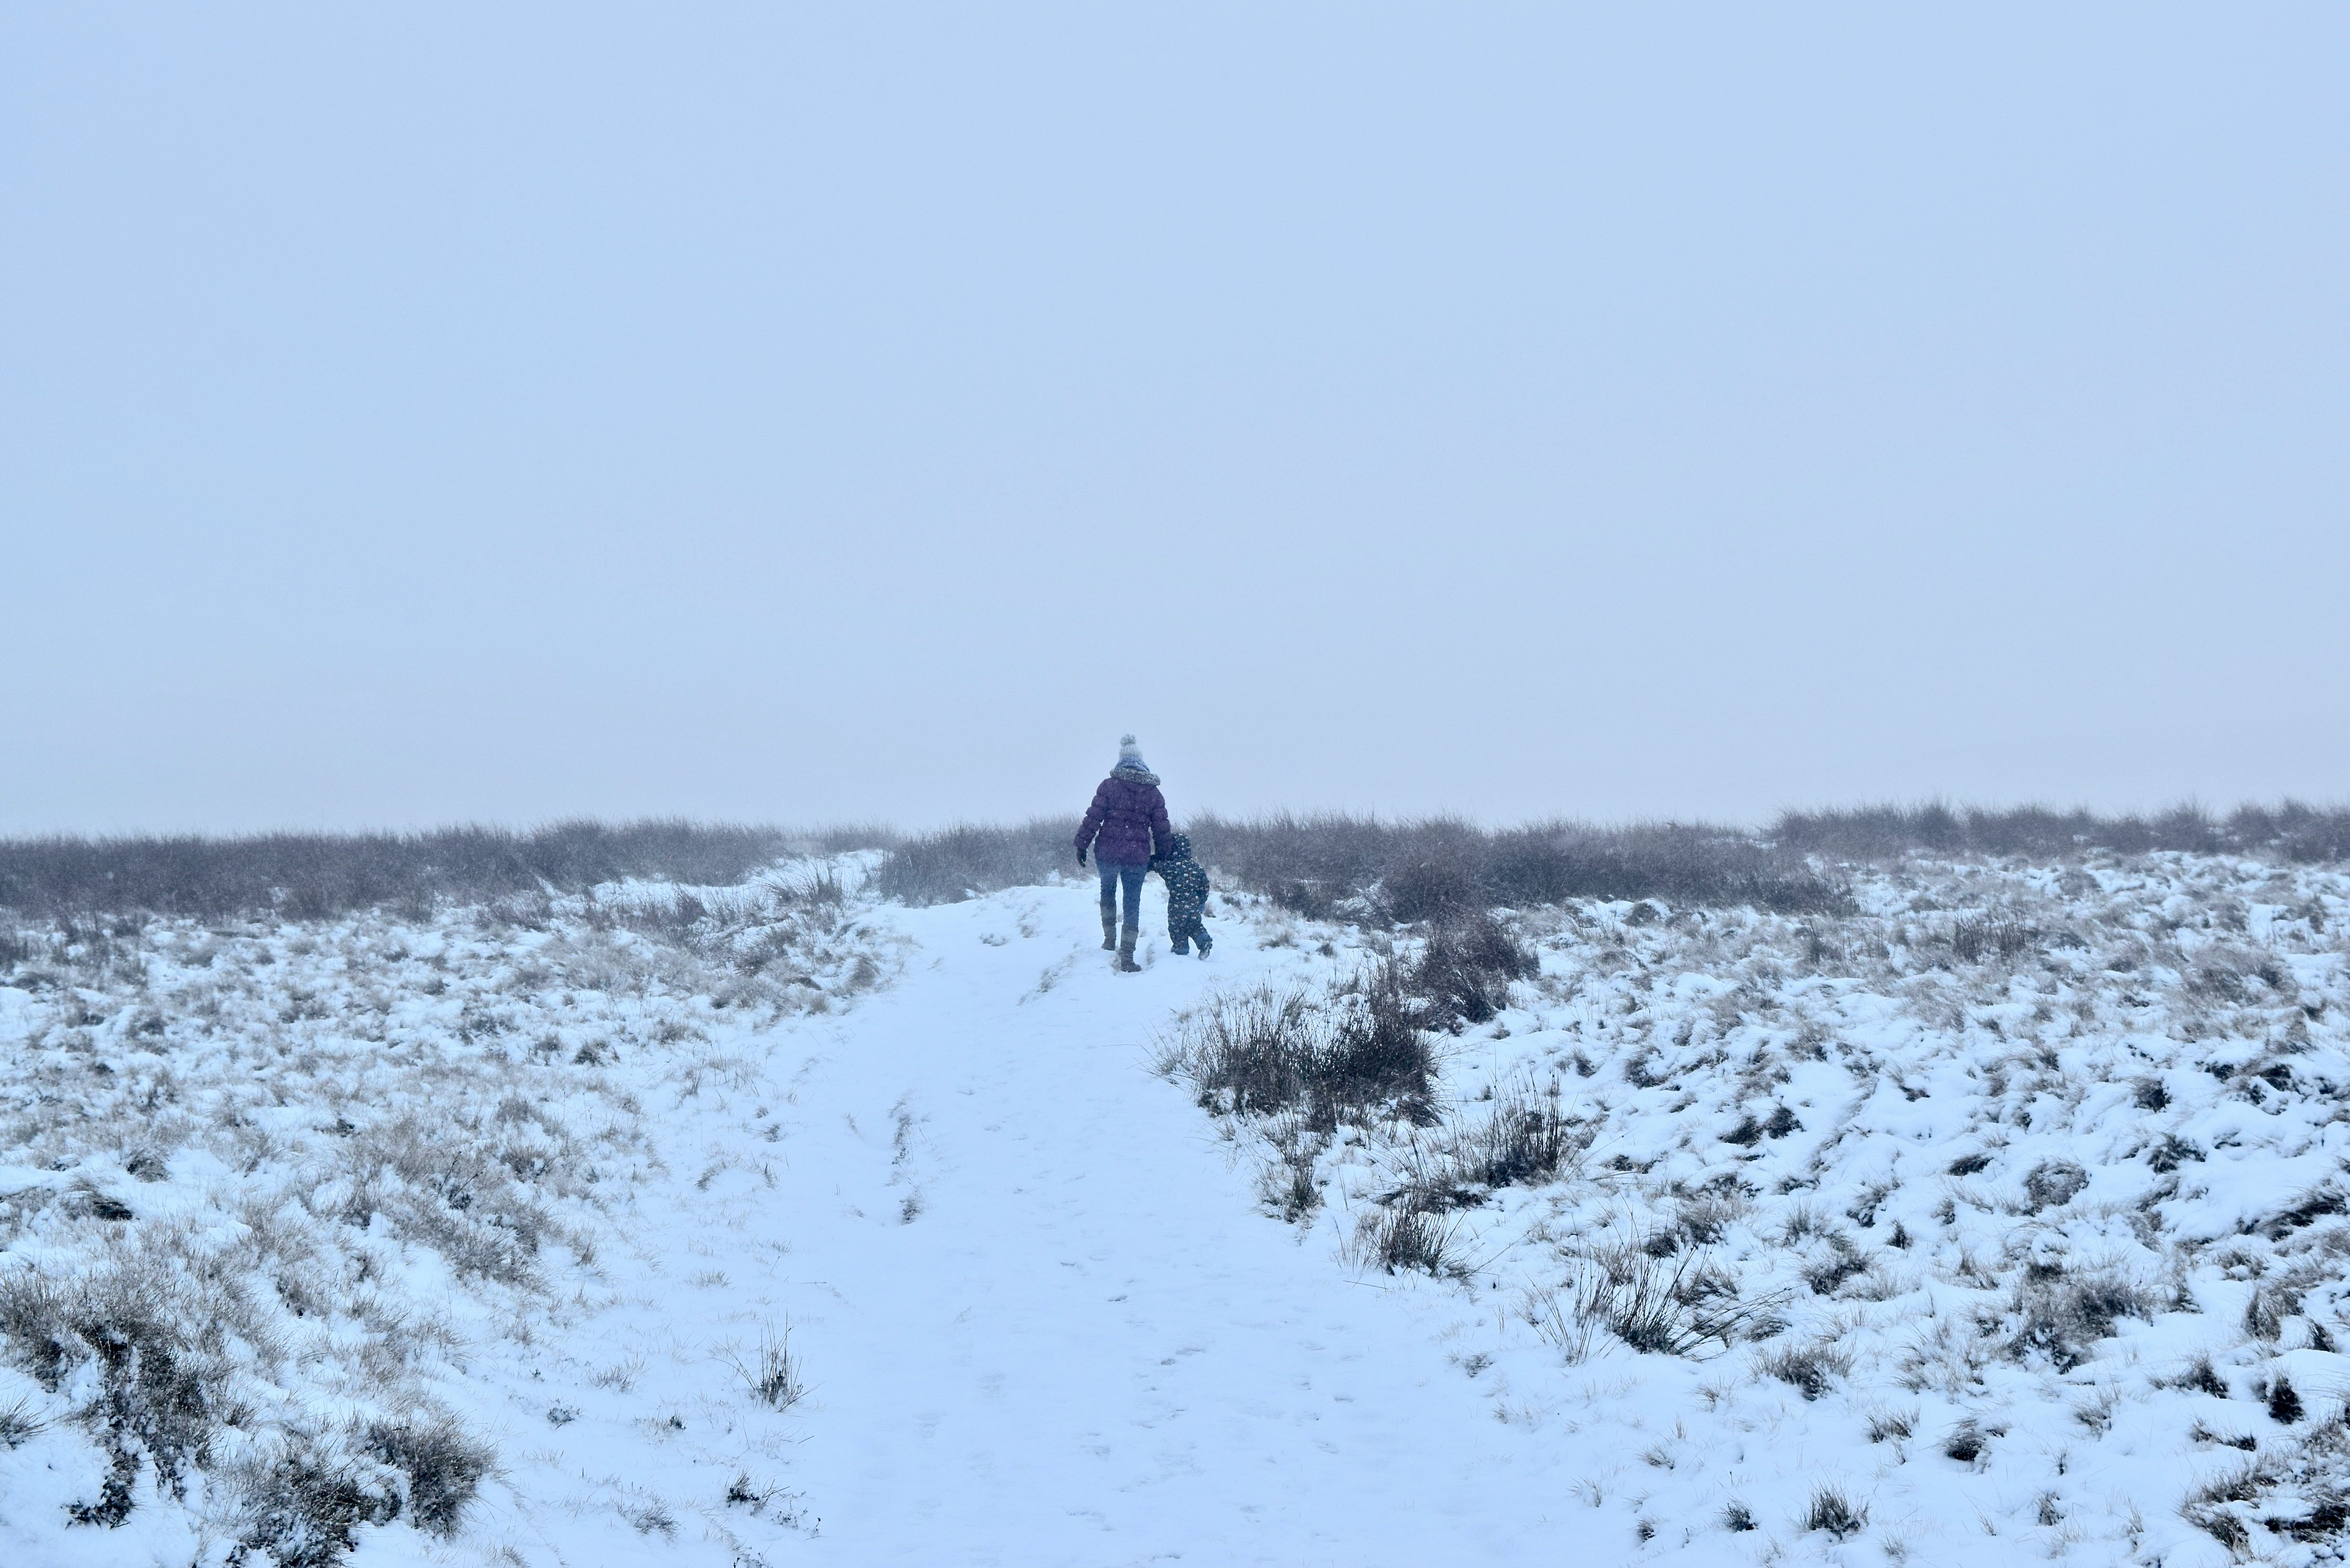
x: 1091, y: 1346
x: 1087, y: 1344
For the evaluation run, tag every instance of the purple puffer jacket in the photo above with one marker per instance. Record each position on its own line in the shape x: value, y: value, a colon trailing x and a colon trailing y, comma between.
x: 1130, y: 815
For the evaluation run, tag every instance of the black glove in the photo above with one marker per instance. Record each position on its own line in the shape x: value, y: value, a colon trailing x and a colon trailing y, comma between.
x: 1081, y: 856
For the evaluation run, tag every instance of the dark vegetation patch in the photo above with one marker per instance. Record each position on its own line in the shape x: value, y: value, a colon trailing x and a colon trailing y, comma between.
x: 2062, y: 1314
x: 2312, y: 1207
x: 303, y: 1511
x: 1966, y: 1441
x: 1836, y: 1513
x: 443, y: 1467
x: 152, y: 1404
x: 2326, y: 1518
x: 1400, y: 871
x: 1840, y: 1262
x: 2201, y: 1433
x: 454, y: 1194
x: 772, y: 1372
x: 1397, y: 872
x: 2200, y: 1377
x: 153, y: 1347
x: 1463, y: 973
x: 1748, y: 1131
x: 1668, y: 1306
x: 1811, y: 1369
x: 2272, y: 1301
x: 969, y: 860
x: 1303, y: 1061
x: 2292, y: 831
x: 2206, y: 1506
x: 1527, y: 1139
x: 1406, y: 872
x: 1976, y: 938
x: 318, y: 876
x: 2053, y: 1183
x: 1266, y: 1052
x: 1362, y: 1050
x: 1388, y: 871
x: 2306, y: 1470
x: 1403, y: 1241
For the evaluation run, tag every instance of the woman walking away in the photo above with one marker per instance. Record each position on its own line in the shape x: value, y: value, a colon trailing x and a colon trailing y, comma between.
x: 1125, y: 827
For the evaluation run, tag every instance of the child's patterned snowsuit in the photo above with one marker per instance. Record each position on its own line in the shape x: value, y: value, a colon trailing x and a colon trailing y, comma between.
x: 1187, y: 896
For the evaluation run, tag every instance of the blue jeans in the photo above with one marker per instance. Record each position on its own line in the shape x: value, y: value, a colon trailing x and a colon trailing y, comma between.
x: 1111, y: 876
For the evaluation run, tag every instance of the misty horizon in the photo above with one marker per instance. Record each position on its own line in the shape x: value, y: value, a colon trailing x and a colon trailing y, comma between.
x: 883, y: 830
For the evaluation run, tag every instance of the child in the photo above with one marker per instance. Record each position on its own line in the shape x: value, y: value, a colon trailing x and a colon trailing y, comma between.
x: 1187, y: 896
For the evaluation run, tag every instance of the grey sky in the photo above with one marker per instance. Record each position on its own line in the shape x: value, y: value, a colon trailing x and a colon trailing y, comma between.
x: 411, y: 415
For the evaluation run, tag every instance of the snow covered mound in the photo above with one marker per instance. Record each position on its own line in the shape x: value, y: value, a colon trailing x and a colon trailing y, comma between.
x: 2003, y: 1214
x: 267, y: 1191
x: 1999, y: 1217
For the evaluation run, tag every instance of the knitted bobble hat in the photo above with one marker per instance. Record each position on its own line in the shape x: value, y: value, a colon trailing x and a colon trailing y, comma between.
x: 1129, y: 755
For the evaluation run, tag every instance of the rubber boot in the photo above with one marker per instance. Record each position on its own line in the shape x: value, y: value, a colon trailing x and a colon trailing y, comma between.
x: 1126, y: 952
x: 1181, y: 946
x: 1110, y: 931
x: 1205, y: 941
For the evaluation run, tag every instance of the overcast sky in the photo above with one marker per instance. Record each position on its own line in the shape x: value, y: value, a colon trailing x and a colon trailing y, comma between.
x: 413, y: 415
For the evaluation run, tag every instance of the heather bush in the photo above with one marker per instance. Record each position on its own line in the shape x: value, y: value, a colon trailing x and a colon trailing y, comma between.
x: 1341, y: 1058
x: 1407, y: 872
x: 1392, y: 873
x: 1465, y: 970
x: 318, y: 876
x: 965, y: 861
x: 2292, y: 831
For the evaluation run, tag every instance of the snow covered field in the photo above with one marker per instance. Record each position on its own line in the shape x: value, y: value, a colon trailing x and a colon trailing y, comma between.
x: 2002, y: 1216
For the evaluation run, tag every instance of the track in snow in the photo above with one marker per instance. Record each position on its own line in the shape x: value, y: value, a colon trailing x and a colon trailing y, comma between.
x: 1088, y: 1344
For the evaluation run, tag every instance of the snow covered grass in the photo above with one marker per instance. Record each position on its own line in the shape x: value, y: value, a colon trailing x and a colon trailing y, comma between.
x: 1961, y: 1207
x: 1371, y: 870
x: 2291, y: 831
x: 1379, y: 871
x: 2014, y: 1195
x: 318, y: 875
x: 271, y: 1182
